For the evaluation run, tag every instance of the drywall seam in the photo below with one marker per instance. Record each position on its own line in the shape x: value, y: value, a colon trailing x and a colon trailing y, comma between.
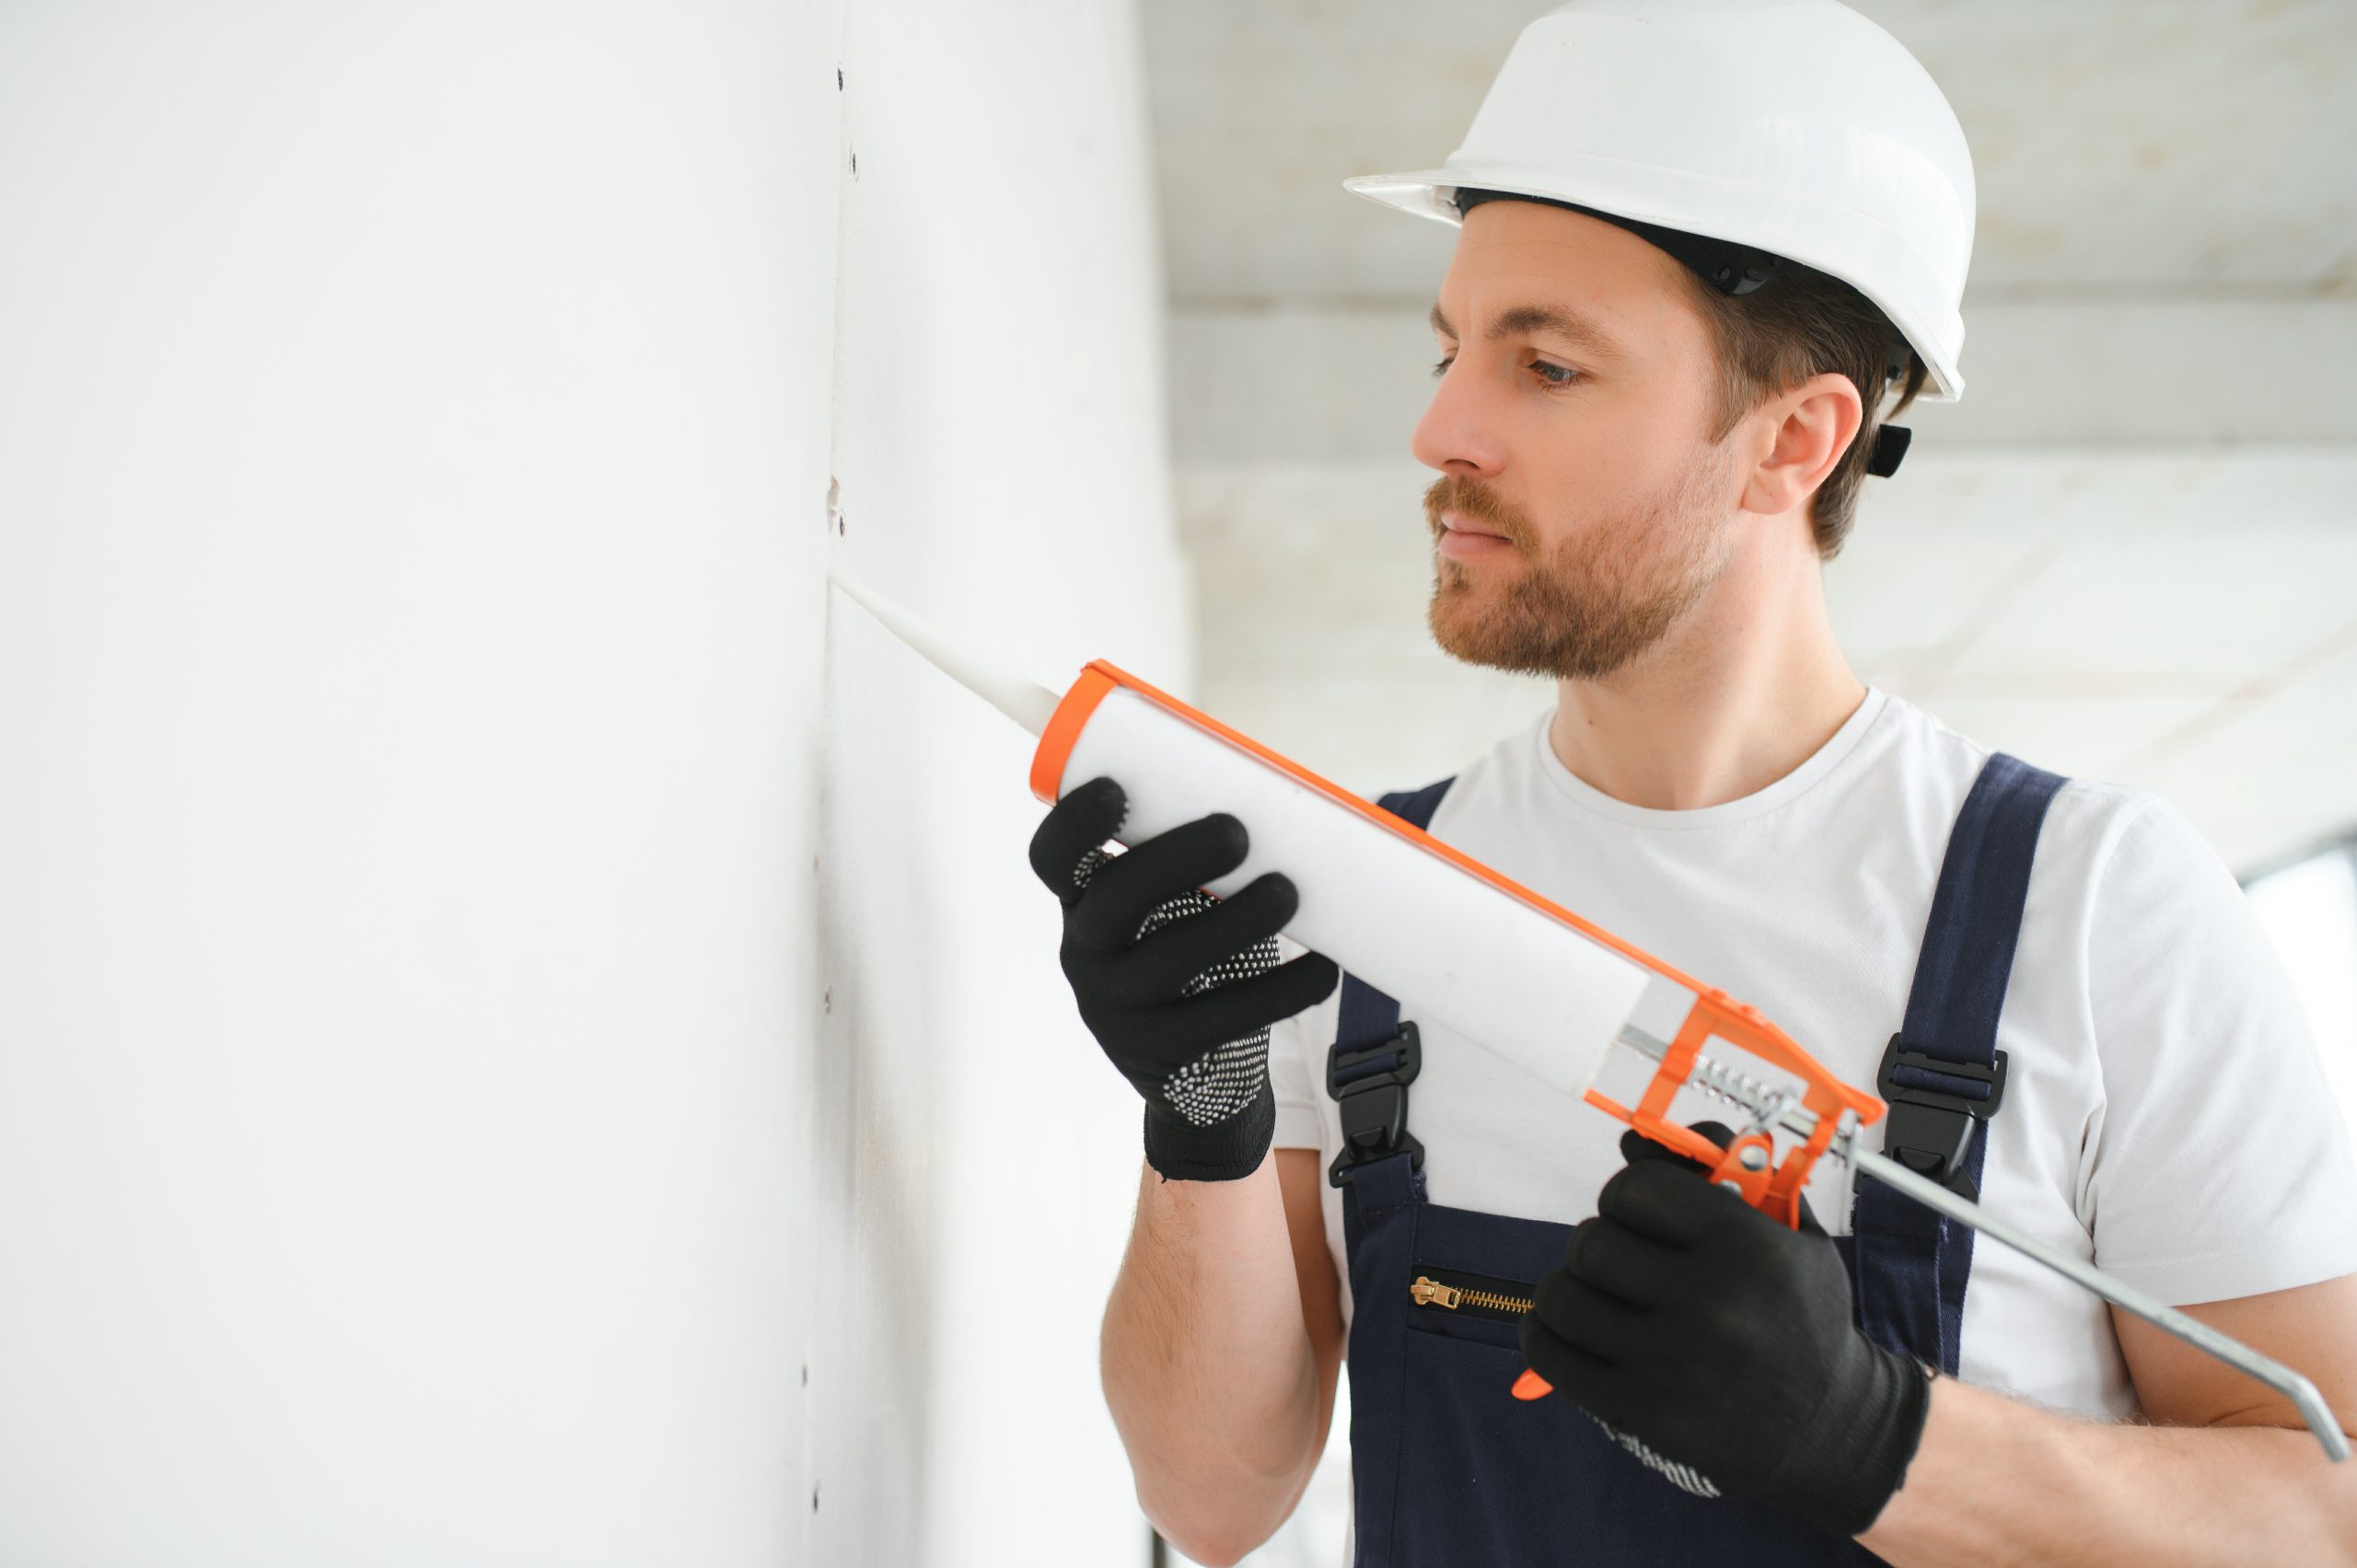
x: 831, y: 1038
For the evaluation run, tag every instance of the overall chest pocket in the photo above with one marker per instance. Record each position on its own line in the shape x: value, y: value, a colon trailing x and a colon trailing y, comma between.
x: 1483, y: 1476
x: 1462, y: 1305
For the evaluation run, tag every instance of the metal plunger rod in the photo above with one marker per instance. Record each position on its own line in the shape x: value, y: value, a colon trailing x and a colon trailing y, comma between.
x: 1801, y: 1123
x: 2192, y: 1330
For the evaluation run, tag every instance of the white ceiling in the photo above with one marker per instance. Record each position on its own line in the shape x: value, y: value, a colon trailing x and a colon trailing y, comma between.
x: 2154, y: 144
x: 2130, y: 552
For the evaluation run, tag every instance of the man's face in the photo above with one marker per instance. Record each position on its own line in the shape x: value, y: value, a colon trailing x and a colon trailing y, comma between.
x: 1583, y: 443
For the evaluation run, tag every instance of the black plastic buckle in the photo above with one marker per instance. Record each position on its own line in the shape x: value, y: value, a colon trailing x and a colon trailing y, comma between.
x: 1928, y: 1132
x: 1374, y: 1104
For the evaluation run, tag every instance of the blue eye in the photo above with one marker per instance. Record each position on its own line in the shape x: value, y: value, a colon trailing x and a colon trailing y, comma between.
x: 1554, y: 375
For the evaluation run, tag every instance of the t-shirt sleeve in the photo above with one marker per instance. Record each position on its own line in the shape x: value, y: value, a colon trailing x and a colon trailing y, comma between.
x: 2222, y: 1166
x: 1292, y: 1043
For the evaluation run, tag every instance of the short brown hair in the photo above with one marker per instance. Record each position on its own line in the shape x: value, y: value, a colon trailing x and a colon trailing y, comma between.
x: 1798, y: 325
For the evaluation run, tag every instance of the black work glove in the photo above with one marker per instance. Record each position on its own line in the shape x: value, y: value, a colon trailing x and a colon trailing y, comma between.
x: 1178, y: 986
x: 1723, y: 1342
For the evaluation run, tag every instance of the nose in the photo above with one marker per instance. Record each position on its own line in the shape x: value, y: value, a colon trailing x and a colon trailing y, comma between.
x: 1454, y: 436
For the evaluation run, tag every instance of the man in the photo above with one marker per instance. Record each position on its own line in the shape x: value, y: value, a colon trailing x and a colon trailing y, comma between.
x: 1699, y: 245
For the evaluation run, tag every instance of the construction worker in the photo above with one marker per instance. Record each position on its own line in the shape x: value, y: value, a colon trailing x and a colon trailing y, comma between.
x: 1702, y: 245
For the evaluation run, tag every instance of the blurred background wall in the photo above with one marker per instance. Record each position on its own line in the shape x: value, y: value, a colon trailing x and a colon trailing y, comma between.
x: 2129, y: 553
x: 527, y: 1034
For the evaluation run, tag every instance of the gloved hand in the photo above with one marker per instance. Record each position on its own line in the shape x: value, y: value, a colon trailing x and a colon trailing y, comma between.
x: 1723, y: 1341
x: 1178, y: 987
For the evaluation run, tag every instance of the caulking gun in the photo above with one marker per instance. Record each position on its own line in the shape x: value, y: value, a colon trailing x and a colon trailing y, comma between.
x: 1458, y: 943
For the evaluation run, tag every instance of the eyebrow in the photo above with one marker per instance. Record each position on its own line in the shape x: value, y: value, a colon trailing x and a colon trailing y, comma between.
x: 1568, y: 325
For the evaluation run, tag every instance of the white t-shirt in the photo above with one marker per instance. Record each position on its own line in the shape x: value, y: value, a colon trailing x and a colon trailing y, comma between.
x: 2165, y: 1117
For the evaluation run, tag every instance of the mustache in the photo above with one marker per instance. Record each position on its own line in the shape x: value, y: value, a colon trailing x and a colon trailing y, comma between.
x: 1444, y: 497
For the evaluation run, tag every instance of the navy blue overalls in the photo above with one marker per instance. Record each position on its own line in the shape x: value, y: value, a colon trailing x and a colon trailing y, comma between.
x: 1447, y: 1467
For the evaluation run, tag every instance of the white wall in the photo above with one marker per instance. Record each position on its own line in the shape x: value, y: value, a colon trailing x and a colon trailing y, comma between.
x: 1000, y: 445
x: 495, y: 989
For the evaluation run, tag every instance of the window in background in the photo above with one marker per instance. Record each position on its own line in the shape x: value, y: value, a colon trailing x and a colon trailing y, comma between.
x: 2309, y: 908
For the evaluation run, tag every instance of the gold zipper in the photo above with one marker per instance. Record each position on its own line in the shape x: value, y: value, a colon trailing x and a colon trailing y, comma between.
x: 1428, y: 1292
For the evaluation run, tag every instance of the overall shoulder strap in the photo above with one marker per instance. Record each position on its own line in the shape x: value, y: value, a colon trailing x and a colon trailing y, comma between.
x: 1942, y: 1073
x: 1375, y: 1055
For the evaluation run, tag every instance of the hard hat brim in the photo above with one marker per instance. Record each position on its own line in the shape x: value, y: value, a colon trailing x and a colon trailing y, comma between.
x: 1636, y: 192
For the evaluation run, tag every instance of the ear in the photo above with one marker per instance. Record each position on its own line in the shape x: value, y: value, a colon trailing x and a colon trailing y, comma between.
x: 1806, y: 433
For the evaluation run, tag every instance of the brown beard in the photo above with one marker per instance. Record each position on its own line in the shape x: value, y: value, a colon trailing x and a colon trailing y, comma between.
x: 1600, y: 599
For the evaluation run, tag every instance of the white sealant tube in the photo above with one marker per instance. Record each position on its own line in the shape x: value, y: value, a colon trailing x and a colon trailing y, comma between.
x: 1454, y: 941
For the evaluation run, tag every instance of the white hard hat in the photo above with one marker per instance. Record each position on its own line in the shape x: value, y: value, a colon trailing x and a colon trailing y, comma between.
x: 1793, y: 126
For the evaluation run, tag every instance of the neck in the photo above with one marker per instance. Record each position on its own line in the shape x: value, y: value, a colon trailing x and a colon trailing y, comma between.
x: 1743, y: 690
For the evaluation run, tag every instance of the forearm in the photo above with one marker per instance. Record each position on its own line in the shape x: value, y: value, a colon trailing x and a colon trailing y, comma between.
x: 1207, y: 1365
x: 1996, y: 1481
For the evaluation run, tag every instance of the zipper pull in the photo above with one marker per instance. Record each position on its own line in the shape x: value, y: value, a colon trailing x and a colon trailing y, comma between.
x: 1431, y: 1292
